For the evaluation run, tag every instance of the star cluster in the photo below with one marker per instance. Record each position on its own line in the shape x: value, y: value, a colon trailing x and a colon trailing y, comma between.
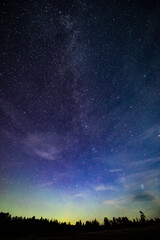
x: 80, y: 108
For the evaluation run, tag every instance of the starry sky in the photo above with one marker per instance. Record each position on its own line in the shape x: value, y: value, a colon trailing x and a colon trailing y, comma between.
x: 80, y: 108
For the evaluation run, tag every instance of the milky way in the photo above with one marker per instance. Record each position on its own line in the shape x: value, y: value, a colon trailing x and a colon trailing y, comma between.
x: 80, y: 108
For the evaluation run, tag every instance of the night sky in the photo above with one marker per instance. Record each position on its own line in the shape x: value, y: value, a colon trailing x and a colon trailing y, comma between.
x: 80, y: 108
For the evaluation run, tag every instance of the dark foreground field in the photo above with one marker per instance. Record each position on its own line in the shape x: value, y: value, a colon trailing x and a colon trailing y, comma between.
x: 151, y: 232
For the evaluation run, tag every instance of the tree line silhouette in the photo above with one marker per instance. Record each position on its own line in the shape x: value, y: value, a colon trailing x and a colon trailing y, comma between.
x: 21, y: 226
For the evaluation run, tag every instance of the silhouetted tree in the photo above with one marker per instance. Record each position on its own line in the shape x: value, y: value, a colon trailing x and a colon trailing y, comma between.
x: 106, y: 223
x: 5, y: 217
x: 142, y: 217
x: 18, y: 226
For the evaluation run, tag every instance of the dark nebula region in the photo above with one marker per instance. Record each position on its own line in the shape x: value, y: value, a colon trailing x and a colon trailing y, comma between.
x: 80, y: 108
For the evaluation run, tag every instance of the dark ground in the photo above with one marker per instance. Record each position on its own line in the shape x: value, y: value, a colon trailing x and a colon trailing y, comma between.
x: 151, y: 232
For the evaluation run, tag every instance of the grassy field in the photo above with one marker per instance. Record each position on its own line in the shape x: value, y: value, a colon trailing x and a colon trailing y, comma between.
x: 151, y: 232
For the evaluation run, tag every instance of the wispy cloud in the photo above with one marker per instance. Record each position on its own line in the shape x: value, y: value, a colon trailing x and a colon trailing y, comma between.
x: 147, y: 161
x: 145, y: 176
x: 150, y: 133
x: 137, y: 183
x: 110, y: 202
x: 50, y: 155
x: 81, y: 195
x: 45, y: 184
x: 42, y: 145
x: 143, y: 197
x: 105, y: 188
x: 115, y: 170
x: 116, y: 201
